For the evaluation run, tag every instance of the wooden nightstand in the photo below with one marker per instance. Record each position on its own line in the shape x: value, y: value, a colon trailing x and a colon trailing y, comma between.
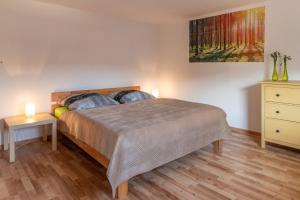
x: 15, y: 123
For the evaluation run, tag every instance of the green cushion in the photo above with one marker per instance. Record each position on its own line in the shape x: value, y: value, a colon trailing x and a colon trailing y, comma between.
x: 59, y: 111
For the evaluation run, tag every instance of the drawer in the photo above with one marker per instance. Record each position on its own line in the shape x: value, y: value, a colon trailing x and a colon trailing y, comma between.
x: 283, y: 131
x: 283, y: 94
x: 281, y: 111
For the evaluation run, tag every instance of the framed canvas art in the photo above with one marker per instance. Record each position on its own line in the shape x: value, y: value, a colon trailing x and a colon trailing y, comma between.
x: 232, y: 37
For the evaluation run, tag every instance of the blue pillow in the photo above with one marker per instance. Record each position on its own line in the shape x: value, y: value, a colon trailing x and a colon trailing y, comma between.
x: 87, y: 101
x: 132, y: 96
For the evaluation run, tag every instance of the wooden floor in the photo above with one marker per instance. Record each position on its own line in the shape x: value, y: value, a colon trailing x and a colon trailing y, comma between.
x: 243, y: 171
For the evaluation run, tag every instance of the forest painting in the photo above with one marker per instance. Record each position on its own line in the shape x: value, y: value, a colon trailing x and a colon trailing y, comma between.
x: 232, y: 37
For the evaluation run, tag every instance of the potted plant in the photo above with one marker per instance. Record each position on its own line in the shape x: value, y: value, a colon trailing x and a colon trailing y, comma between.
x: 275, y: 55
x: 285, y: 76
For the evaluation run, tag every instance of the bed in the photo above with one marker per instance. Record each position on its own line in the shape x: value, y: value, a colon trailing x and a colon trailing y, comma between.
x: 130, y: 139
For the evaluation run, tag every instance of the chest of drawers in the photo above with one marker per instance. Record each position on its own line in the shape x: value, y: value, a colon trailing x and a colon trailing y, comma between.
x: 281, y: 113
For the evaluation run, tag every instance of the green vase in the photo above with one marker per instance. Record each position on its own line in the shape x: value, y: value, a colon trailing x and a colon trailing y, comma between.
x: 285, y: 76
x: 274, y: 75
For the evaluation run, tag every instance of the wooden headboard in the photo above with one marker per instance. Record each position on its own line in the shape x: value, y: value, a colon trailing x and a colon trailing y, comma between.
x: 56, y: 97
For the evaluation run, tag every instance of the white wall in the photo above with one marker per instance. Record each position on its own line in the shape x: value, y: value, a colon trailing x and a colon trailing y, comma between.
x: 46, y: 48
x: 231, y: 86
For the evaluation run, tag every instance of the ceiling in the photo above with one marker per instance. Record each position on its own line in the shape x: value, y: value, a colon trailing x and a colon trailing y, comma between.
x: 152, y: 11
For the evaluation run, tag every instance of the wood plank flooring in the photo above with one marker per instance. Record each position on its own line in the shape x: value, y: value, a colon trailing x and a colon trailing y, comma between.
x: 243, y: 171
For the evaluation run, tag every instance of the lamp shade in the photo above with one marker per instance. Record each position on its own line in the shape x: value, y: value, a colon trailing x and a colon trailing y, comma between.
x: 155, y: 92
x: 29, y: 109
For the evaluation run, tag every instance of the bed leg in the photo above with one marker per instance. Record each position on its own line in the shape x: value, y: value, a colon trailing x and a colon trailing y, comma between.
x: 122, y: 190
x: 218, y: 145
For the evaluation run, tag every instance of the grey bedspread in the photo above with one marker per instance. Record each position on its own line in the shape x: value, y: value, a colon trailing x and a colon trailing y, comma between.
x: 141, y: 136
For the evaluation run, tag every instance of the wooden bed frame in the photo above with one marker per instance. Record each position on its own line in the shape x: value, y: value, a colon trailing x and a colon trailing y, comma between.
x: 56, y: 97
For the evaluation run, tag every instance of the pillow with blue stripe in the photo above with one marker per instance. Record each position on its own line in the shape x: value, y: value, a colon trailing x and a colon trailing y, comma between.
x: 130, y: 96
x: 88, y: 101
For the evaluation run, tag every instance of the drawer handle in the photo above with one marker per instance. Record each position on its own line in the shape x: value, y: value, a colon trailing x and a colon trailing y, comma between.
x: 277, y: 131
x: 277, y: 95
x: 277, y: 111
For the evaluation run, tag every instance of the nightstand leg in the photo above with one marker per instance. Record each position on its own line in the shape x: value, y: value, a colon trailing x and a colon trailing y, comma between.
x: 263, y: 144
x: 5, y: 139
x: 11, y: 145
x: 54, y: 137
x: 45, y: 133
